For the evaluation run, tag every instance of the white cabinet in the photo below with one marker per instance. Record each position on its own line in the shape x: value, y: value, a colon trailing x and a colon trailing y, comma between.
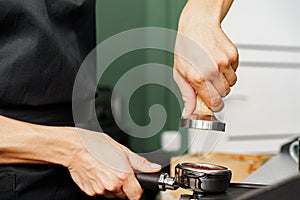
x: 264, y: 22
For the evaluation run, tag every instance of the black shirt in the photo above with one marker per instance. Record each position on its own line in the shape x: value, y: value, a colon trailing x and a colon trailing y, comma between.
x: 42, y: 44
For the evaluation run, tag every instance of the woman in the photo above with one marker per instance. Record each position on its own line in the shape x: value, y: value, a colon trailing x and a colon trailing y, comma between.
x: 42, y: 45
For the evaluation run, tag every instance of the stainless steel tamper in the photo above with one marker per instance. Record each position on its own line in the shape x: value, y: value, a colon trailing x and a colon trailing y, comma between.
x: 202, y: 118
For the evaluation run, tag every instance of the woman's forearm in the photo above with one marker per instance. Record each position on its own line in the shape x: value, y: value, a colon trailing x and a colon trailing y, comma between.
x: 22, y: 142
x: 209, y: 10
x: 225, y: 8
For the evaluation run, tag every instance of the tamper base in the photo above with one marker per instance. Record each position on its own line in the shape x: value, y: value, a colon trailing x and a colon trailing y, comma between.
x: 203, y: 122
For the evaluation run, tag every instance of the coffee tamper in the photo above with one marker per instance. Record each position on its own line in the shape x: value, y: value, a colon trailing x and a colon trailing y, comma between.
x: 202, y: 119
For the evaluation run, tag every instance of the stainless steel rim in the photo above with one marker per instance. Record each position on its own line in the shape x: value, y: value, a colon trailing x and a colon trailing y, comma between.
x: 203, y: 124
x: 204, y: 168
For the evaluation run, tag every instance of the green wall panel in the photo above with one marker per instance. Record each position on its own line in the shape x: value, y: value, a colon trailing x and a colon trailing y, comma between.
x: 115, y: 16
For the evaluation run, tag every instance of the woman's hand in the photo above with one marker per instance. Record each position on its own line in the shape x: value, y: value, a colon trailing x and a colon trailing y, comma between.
x: 98, y: 164
x: 101, y: 166
x: 205, y: 59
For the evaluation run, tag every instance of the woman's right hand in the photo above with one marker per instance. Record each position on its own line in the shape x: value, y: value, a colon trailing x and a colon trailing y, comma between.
x: 101, y: 166
x: 205, y: 59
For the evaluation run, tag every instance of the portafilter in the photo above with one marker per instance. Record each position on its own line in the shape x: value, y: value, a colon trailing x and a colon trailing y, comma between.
x: 198, y: 177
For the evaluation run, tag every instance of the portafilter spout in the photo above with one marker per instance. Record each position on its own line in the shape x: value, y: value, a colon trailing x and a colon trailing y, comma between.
x: 203, y: 118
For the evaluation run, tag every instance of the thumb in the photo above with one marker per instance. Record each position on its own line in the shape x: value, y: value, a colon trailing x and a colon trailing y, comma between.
x: 187, y: 92
x: 142, y: 164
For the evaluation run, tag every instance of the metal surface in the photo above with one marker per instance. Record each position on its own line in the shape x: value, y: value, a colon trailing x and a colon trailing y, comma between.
x: 203, y: 122
x: 166, y: 182
x: 203, y: 178
x: 234, y: 192
x: 276, y: 169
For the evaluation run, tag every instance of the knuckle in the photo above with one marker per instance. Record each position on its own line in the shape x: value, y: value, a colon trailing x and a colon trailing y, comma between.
x: 224, y: 61
x: 111, y: 187
x: 100, y: 190
x: 122, y: 176
x: 236, y: 58
x: 197, y: 80
x: 233, y: 53
x: 213, y: 72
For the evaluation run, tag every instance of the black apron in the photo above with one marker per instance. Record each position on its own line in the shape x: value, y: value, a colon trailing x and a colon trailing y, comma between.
x: 42, y: 44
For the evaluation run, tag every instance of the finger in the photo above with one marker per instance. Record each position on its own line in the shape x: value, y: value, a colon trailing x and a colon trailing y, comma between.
x: 234, y: 56
x: 230, y: 75
x: 226, y: 84
x: 120, y: 194
x: 210, y: 96
x: 219, y: 85
x: 142, y: 164
x: 132, y: 188
x: 235, y: 63
x: 89, y: 191
x: 111, y: 182
x: 109, y: 195
x: 98, y: 187
x: 187, y: 92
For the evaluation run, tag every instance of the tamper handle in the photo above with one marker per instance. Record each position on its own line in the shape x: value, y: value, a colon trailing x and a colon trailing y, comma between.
x: 202, y: 108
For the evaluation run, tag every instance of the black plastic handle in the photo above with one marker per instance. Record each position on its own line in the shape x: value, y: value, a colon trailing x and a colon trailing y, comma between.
x: 148, y: 181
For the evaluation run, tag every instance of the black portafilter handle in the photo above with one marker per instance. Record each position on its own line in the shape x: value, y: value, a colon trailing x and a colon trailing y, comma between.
x: 156, y: 181
x: 149, y: 181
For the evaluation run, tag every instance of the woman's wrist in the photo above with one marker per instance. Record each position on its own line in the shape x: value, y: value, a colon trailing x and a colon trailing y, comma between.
x: 212, y: 12
x: 27, y: 143
x: 64, y: 142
